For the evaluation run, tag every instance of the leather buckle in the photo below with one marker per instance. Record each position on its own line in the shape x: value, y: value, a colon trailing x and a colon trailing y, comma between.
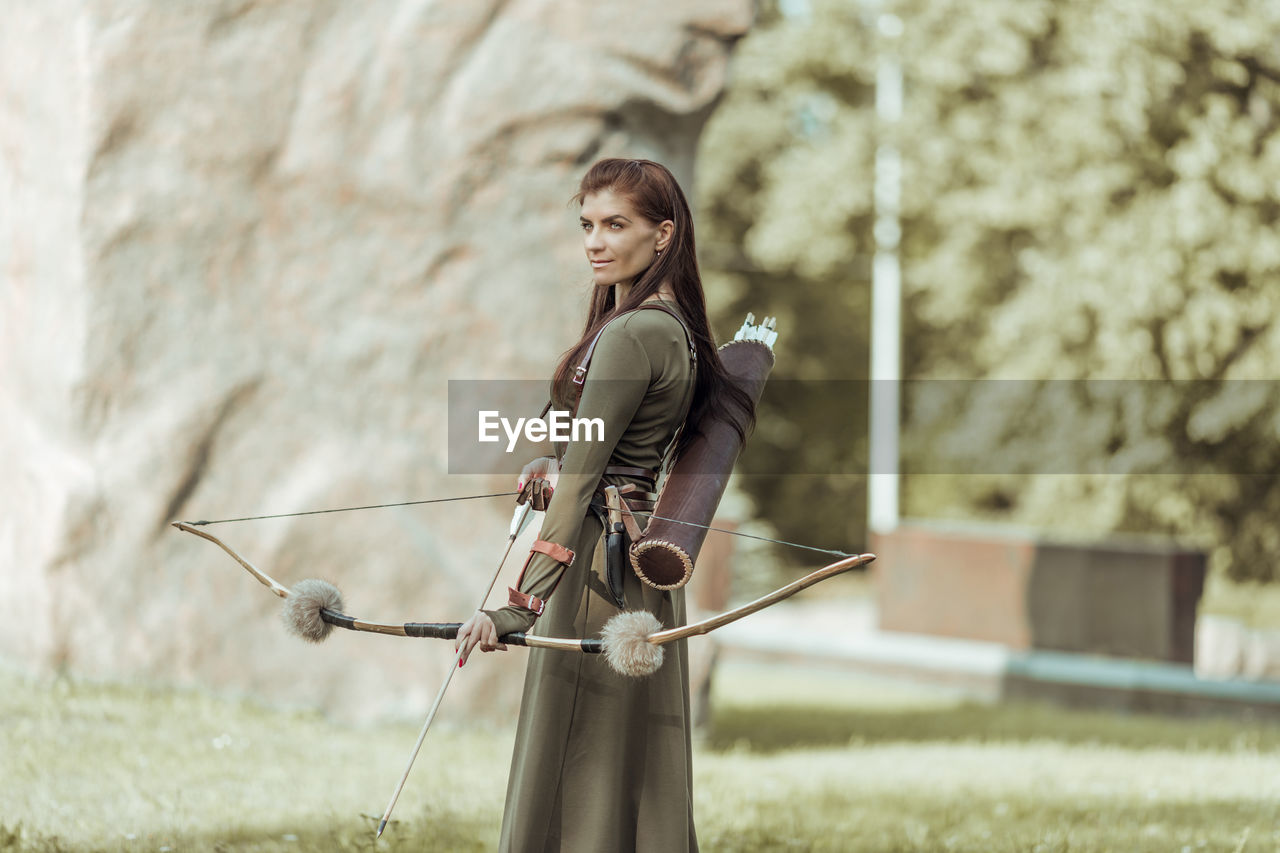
x: 528, y: 602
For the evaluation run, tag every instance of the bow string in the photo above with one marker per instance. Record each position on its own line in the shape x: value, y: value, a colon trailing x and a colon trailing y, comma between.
x: 650, y: 515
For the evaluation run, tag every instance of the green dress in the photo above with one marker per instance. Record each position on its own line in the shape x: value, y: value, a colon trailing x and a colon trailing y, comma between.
x: 602, y: 762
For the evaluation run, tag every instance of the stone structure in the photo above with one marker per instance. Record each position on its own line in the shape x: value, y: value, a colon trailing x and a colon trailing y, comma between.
x: 243, y: 245
x: 1027, y: 591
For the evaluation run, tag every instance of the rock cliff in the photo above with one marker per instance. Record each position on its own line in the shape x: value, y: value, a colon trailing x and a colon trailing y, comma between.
x: 243, y: 247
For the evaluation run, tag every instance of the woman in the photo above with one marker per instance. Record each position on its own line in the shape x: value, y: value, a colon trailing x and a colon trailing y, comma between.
x: 602, y: 762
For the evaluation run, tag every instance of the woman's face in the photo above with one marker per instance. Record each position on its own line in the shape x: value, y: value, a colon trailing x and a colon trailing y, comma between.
x: 620, y: 243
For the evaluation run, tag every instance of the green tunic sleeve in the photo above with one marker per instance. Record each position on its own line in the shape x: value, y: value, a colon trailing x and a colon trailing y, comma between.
x: 616, y: 383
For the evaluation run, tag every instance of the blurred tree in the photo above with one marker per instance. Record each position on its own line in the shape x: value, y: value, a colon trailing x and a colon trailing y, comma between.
x: 1091, y: 193
x: 795, y: 119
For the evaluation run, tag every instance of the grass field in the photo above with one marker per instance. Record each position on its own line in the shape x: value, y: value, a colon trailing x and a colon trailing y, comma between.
x: 796, y: 760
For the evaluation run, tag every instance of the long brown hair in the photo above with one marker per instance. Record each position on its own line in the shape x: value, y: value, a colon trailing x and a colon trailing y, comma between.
x: 655, y: 194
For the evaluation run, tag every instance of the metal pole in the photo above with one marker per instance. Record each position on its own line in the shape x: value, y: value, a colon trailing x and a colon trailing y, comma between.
x: 886, y: 286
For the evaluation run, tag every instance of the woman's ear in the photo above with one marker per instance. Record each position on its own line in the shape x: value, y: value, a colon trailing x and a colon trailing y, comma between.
x: 665, y: 229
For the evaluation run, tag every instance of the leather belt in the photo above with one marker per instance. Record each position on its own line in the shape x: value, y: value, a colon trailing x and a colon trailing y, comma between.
x: 625, y: 471
x: 636, y: 498
x: 642, y: 501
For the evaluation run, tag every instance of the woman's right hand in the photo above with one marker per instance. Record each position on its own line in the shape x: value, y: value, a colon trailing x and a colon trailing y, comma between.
x: 538, y: 481
x: 480, y: 631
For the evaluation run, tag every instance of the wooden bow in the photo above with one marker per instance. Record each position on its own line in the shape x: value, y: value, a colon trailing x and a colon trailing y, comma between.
x: 449, y: 630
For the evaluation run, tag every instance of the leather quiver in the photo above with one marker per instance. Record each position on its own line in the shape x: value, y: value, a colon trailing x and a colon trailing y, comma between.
x: 664, y: 555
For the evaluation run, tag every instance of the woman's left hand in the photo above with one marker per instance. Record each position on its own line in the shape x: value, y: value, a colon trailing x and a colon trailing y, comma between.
x: 480, y: 631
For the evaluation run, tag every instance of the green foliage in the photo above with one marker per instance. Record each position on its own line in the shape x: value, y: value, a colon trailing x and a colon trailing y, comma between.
x: 1091, y: 191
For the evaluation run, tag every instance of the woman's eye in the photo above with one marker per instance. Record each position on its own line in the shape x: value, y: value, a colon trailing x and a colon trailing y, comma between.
x: 617, y: 225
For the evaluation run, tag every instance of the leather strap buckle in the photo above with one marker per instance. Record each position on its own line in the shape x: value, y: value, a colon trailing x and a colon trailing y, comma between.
x: 532, y: 603
x: 529, y: 602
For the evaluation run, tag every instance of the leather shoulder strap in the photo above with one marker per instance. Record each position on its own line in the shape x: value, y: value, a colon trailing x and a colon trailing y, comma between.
x: 580, y: 372
x: 688, y: 335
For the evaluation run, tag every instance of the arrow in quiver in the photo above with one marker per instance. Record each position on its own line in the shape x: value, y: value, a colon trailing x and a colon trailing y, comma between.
x: 664, y: 555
